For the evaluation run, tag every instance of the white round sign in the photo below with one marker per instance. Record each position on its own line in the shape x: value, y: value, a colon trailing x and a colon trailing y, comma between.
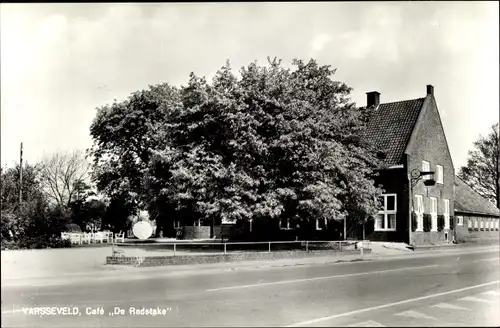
x: 142, y: 230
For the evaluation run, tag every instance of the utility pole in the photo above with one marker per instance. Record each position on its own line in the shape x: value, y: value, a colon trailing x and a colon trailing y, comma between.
x: 21, y: 175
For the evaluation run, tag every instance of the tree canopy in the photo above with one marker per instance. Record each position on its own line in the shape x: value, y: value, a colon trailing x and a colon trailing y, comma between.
x: 482, y: 171
x: 273, y: 143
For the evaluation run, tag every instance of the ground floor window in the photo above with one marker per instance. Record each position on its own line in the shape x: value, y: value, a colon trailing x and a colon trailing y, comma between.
x: 446, y: 213
x: 460, y: 220
x: 419, y: 211
x: 318, y: 224
x: 433, y: 213
x: 386, y: 217
x: 285, y: 224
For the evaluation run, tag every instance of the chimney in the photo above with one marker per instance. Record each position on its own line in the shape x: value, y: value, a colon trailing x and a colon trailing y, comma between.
x: 372, y: 99
x: 430, y: 90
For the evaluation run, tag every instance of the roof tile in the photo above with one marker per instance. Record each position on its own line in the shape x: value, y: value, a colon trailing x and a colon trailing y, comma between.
x: 391, y: 126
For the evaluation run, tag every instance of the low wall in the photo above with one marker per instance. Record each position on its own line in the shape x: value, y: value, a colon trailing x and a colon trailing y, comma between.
x: 196, y: 232
x: 150, y: 261
x: 226, y: 231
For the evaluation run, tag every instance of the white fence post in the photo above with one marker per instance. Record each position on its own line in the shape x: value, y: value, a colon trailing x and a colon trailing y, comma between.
x: 307, y: 246
x: 174, y: 248
x: 225, y: 248
x: 269, y: 247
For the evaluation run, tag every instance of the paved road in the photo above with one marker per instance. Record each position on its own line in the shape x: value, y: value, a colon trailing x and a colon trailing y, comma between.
x: 445, y: 290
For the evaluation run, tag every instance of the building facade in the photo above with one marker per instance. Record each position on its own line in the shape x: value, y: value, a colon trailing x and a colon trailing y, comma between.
x: 411, y: 135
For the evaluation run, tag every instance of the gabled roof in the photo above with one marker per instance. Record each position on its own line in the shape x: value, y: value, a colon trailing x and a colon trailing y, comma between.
x: 467, y: 200
x: 391, y: 126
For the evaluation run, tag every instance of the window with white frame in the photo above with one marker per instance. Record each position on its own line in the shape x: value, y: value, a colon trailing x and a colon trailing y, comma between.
x: 469, y: 222
x: 386, y: 217
x: 488, y: 223
x: 439, y: 174
x: 419, y: 211
x: 433, y: 212
x: 460, y: 220
x: 481, y: 224
x: 446, y: 213
x: 285, y: 225
x: 496, y: 225
x: 476, y: 224
x: 318, y: 224
x: 426, y: 167
x: 177, y: 224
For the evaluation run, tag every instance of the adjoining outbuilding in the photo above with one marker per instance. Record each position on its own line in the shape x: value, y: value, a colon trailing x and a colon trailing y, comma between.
x: 477, y: 219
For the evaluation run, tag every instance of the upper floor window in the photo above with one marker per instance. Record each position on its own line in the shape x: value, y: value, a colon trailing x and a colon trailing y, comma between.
x: 386, y: 218
x: 426, y: 167
x: 439, y: 174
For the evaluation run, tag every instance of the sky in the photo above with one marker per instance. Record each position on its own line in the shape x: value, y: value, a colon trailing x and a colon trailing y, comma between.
x: 59, y: 62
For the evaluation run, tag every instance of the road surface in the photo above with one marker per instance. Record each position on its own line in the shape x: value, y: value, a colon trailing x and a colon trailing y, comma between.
x: 455, y: 289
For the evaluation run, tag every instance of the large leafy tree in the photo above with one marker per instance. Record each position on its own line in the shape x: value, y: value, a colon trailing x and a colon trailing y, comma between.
x: 274, y: 143
x: 126, y: 135
x: 482, y: 171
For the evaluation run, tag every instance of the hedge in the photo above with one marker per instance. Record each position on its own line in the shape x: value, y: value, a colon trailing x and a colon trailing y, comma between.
x: 38, y: 242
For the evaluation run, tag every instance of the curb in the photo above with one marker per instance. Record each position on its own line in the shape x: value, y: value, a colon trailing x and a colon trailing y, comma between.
x: 452, y: 246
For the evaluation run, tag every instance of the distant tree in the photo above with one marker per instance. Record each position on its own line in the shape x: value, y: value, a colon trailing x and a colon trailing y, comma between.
x: 62, y: 175
x: 482, y: 172
x: 31, y: 217
x: 86, y: 209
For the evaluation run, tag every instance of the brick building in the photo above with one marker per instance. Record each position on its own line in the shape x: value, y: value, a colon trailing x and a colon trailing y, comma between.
x: 411, y: 135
